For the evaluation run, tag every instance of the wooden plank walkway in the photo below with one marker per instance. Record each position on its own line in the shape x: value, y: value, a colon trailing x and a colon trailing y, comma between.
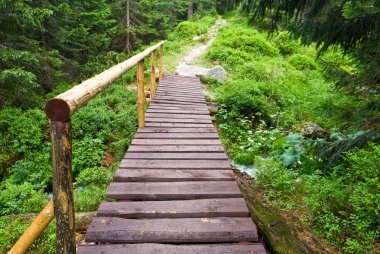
x: 175, y: 190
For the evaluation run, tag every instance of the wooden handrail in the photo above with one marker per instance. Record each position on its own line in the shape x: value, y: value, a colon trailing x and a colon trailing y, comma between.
x: 64, y: 105
x: 59, y: 110
x: 34, y: 230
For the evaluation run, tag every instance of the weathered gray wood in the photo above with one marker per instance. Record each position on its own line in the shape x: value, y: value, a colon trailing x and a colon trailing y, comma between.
x: 200, y: 208
x: 178, y: 120
x: 177, y: 107
x: 177, y: 116
x: 184, y: 230
x: 164, y: 142
x: 175, y: 148
x: 173, y: 190
x: 176, y: 130
x: 178, y: 111
x: 177, y: 156
x: 151, y: 248
x: 63, y: 187
x: 171, y: 175
x: 182, y: 135
x: 179, y: 125
x: 179, y: 164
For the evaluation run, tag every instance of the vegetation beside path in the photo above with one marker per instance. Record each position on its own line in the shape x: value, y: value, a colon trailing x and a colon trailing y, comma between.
x: 277, y: 113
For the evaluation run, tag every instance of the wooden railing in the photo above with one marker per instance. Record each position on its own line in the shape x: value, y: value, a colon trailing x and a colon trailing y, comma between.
x: 59, y: 110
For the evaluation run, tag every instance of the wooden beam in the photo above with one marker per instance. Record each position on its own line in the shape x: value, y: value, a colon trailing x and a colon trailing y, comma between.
x: 140, y: 94
x: 152, y: 74
x: 63, y: 187
x: 161, y: 73
x: 64, y: 105
x: 34, y: 230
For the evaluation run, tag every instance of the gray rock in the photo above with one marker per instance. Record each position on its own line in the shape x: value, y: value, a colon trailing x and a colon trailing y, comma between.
x: 218, y: 72
x: 311, y: 130
x: 197, y: 38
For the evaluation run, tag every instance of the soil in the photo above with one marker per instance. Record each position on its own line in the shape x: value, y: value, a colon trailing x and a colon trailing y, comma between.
x: 185, y: 67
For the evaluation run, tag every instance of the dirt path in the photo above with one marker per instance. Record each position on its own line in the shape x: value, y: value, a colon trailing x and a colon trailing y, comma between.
x: 185, y: 67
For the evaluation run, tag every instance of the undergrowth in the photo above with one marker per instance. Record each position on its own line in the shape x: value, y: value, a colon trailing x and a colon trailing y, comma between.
x: 275, y: 111
x: 102, y: 131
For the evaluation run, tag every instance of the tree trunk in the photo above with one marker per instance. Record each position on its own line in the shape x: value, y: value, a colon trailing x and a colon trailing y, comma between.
x: 190, y: 9
x: 128, y: 43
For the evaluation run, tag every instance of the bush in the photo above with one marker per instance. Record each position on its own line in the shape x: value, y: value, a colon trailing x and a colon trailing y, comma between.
x: 285, y: 44
x: 24, y: 198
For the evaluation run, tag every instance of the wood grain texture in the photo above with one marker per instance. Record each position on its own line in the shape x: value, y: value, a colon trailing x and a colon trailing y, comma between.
x: 200, y: 208
x: 183, y: 135
x: 177, y: 156
x: 176, y: 148
x: 164, y: 142
x: 171, y: 175
x: 173, y: 190
x: 176, y: 130
x: 179, y: 164
x: 183, y: 230
x: 149, y: 248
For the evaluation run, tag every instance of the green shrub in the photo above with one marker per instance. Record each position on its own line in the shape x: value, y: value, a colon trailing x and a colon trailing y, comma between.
x: 285, y: 44
x: 12, y: 227
x: 87, y: 199
x: 24, y: 198
x: 302, y: 62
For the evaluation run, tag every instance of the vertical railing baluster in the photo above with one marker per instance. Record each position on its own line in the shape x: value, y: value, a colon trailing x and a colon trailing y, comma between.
x: 161, y: 73
x: 152, y: 74
x: 140, y: 94
x: 63, y: 186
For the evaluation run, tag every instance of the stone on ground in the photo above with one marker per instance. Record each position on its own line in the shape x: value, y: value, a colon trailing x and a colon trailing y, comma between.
x: 218, y: 72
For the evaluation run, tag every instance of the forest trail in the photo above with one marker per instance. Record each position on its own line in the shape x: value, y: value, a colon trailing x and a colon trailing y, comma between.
x: 185, y: 67
x: 175, y: 190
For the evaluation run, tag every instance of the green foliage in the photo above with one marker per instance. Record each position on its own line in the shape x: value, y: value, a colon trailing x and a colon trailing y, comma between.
x: 22, y: 198
x: 270, y: 94
x: 12, y: 227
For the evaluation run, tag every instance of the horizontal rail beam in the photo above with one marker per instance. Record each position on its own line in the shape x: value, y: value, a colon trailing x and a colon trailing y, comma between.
x: 64, y: 105
x: 34, y: 230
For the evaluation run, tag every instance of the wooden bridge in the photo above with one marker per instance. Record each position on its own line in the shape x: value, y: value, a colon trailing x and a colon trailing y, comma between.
x: 174, y: 192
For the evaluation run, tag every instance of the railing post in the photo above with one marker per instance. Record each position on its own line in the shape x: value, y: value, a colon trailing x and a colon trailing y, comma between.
x: 161, y: 62
x: 152, y: 74
x: 140, y: 94
x: 63, y: 187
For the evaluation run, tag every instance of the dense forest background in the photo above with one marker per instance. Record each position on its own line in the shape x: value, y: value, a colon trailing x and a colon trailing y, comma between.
x: 300, y: 108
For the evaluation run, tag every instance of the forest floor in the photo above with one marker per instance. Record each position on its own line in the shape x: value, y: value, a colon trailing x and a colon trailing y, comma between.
x: 187, y: 67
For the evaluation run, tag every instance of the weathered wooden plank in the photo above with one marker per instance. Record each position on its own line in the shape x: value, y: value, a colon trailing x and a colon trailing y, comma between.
x: 171, y: 175
x: 176, y: 130
x: 163, y: 142
x: 180, y: 103
x: 176, y: 148
x: 179, y: 125
x: 151, y: 248
x: 178, y: 120
x: 177, y: 156
x: 187, y: 94
x: 173, y: 190
x: 199, y: 208
x: 184, y: 230
x: 176, y: 116
x: 211, y: 135
x: 177, y: 107
x: 178, y: 111
x: 180, y: 100
x: 179, y: 164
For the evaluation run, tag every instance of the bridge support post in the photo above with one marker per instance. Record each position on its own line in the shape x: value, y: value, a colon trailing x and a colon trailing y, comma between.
x: 161, y: 73
x: 63, y: 187
x: 152, y: 74
x: 140, y: 94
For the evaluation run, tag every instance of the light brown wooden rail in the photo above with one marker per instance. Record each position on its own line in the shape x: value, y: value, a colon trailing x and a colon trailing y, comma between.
x: 59, y: 110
